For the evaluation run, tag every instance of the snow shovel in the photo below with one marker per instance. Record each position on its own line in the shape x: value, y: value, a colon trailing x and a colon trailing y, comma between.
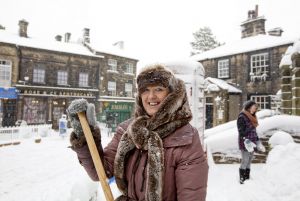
x: 95, y: 156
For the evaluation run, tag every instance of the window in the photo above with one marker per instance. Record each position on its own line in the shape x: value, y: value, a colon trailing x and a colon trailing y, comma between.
x: 128, y: 89
x: 83, y: 79
x: 223, y: 68
x: 112, y: 63
x: 112, y: 86
x: 259, y: 64
x: 129, y: 68
x: 39, y: 75
x: 62, y: 77
x: 262, y: 101
x: 5, y: 73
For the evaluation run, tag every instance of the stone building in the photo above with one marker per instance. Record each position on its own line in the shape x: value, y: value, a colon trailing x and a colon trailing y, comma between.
x: 250, y: 64
x: 118, y: 84
x: 47, y: 75
x: 38, y: 79
x: 290, y: 80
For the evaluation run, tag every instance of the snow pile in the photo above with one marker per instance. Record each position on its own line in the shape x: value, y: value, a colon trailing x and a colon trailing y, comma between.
x: 282, y: 174
x: 224, y: 138
x: 223, y: 85
x: 280, y: 138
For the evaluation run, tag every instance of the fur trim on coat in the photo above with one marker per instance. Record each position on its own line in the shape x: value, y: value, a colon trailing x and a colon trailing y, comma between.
x: 146, y: 133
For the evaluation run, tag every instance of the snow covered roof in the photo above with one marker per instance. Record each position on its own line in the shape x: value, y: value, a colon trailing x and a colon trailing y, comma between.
x: 52, y: 45
x: 287, y: 58
x: 222, y: 84
x: 244, y: 45
x: 185, y: 66
x: 114, y: 50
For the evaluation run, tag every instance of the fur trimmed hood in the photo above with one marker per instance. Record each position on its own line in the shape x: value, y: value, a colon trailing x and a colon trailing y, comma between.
x: 146, y: 132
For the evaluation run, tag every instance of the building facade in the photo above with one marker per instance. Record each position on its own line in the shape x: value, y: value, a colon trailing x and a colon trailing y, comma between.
x: 117, y: 89
x: 40, y: 78
x: 250, y: 64
x: 46, y: 77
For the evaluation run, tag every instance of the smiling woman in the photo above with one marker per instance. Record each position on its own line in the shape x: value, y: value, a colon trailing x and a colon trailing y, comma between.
x: 152, y: 98
x: 157, y: 154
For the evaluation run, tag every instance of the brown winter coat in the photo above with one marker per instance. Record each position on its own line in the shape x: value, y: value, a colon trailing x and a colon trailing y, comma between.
x: 186, y: 169
x: 156, y: 157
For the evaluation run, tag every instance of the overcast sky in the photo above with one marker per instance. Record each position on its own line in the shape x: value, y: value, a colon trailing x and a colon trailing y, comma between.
x: 153, y: 30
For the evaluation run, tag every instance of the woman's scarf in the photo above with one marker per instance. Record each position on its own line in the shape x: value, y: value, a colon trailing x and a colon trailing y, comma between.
x: 146, y: 133
x: 251, y: 117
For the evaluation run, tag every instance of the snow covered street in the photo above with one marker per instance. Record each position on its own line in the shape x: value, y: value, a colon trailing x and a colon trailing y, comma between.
x: 49, y: 171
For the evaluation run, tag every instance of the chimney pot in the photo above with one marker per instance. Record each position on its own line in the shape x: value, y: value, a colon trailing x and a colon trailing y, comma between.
x: 23, y: 28
x: 86, y: 35
x: 58, y: 38
x: 67, y: 37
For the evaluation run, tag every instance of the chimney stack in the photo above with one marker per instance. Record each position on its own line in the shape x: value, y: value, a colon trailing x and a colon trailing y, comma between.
x: 23, y: 28
x: 275, y: 32
x: 119, y: 44
x: 86, y: 35
x: 256, y: 11
x: 67, y: 37
x: 58, y: 38
x: 254, y: 25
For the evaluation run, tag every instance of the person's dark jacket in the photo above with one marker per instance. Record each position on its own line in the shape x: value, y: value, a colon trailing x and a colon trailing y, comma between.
x: 246, y: 130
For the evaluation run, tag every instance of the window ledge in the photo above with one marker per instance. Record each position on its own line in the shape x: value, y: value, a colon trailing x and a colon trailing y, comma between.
x: 129, y: 74
x: 112, y: 71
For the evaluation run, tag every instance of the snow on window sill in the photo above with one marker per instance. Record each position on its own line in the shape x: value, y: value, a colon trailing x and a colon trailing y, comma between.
x: 129, y: 74
x: 112, y: 71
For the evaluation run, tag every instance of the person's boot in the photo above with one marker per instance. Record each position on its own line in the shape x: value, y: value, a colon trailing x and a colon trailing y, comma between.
x: 247, y: 174
x: 242, y: 176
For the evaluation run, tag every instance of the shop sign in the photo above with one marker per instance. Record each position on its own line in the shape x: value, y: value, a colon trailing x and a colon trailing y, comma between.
x: 9, y: 93
x: 57, y: 93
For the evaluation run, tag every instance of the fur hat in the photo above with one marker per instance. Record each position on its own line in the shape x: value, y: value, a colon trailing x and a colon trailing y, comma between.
x: 248, y: 104
x: 155, y: 75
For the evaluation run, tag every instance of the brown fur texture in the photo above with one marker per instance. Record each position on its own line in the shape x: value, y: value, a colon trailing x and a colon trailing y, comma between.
x: 146, y: 132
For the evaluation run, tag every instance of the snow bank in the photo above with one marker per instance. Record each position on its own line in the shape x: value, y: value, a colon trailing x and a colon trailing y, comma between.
x: 224, y: 138
x: 280, y: 138
x: 282, y: 173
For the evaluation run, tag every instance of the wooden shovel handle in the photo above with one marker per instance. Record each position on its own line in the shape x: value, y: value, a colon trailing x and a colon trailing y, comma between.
x: 95, y: 156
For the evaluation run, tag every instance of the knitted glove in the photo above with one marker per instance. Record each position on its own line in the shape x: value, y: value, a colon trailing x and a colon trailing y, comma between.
x: 260, y: 146
x: 249, y: 145
x: 81, y: 105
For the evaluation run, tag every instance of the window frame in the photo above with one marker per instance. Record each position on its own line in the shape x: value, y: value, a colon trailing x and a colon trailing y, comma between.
x: 83, y: 81
x: 259, y: 63
x: 129, y: 68
x: 39, y: 75
x: 61, y: 78
x: 127, y: 91
x: 258, y: 99
x: 222, y: 68
x: 112, y: 88
x: 5, y: 72
x: 113, y: 65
